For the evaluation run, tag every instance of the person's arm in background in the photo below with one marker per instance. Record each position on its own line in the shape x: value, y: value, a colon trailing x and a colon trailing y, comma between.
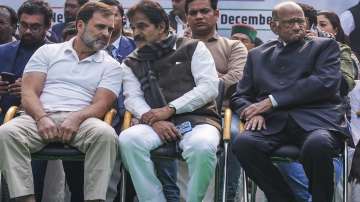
x: 235, y: 66
x: 347, y: 22
x: 347, y: 69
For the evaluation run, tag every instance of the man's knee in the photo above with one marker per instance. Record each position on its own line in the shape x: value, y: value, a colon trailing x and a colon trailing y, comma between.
x: 7, y: 135
x: 243, y: 143
x: 130, y: 138
x: 105, y: 133
x: 202, y: 148
x: 320, y: 144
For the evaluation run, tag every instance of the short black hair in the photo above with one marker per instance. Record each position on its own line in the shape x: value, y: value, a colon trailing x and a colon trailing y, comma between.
x: 310, y: 13
x: 36, y: 7
x: 153, y: 11
x: 87, y: 11
x: 114, y: 3
x: 13, y: 15
x: 213, y: 4
x: 82, y: 2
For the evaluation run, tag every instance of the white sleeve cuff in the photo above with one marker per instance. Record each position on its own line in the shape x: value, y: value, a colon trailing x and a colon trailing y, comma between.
x: 273, y: 101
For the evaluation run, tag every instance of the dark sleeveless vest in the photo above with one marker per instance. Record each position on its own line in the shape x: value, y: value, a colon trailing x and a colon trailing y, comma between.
x: 174, y: 76
x: 355, y: 34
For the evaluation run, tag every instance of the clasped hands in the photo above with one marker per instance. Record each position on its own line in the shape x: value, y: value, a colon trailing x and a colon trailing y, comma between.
x: 252, y: 115
x: 64, y: 132
x: 158, y: 119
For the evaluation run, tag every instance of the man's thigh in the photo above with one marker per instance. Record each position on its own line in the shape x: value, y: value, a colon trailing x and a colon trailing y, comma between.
x: 139, y: 136
x: 249, y: 140
x: 202, y: 136
x: 23, y: 130
x: 91, y: 131
x: 321, y: 142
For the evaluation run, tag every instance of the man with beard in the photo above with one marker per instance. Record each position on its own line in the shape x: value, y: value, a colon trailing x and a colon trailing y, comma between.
x: 290, y: 94
x: 71, y: 7
x: 8, y: 24
x: 176, y: 84
x: 67, y: 89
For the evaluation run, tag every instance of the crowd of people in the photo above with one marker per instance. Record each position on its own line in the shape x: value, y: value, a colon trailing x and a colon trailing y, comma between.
x: 299, y: 89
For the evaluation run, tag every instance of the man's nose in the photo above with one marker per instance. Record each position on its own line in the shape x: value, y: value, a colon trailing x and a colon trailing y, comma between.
x: 106, y: 32
x: 297, y: 26
x: 199, y: 15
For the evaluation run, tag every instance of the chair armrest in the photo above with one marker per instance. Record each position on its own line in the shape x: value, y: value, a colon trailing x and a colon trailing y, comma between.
x: 10, y: 114
x: 109, y: 116
x: 127, y: 120
x: 241, y: 126
x: 227, y: 125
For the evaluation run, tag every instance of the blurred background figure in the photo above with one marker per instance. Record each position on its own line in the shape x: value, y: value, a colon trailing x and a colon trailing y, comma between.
x: 177, y: 17
x: 350, y: 20
x: 244, y: 33
x: 329, y: 22
x: 71, y: 7
x: 8, y: 24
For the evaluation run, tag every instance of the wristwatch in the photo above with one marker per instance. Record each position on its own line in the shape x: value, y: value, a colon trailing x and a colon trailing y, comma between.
x: 172, y: 107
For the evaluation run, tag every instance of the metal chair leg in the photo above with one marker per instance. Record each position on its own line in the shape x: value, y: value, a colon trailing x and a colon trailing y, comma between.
x: 225, y: 171
x: 123, y: 185
x: 217, y: 181
x: 245, y: 191
x: 345, y: 174
x: 253, y: 191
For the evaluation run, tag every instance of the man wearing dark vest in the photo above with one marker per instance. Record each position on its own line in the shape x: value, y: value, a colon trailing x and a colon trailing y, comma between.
x: 176, y: 85
x: 350, y: 22
x: 290, y: 94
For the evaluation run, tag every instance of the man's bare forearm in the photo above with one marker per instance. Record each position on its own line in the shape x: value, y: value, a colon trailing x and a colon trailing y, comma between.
x: 102, y: 102
x: 32, y: 86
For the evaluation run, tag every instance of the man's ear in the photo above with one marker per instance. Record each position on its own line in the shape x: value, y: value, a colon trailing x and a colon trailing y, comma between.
x: 217, y: 13
x: 274, y: 26
x: 79, y: 25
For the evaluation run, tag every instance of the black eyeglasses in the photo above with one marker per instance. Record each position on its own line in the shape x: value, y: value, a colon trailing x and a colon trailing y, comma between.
x: 291, y: 22
x: 33, y: 27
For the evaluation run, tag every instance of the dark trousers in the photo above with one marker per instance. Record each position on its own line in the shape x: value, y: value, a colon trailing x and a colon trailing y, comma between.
x: 317, y: 148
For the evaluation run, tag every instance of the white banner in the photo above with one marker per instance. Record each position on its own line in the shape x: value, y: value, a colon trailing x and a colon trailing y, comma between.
x: 254, y: 12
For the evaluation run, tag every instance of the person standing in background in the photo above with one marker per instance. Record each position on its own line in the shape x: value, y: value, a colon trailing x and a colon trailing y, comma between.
x: 8, y: 24
x: 350, y: 22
